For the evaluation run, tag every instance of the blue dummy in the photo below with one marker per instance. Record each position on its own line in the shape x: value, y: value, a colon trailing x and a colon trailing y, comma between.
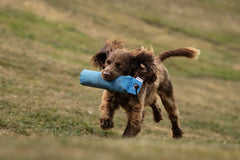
x: 124, y: 84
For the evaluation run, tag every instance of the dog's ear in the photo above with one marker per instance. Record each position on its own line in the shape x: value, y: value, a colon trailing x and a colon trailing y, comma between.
x: 98, y: 60
x: 143, y: 65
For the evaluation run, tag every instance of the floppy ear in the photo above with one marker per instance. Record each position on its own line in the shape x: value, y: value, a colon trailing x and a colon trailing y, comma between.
x: 98, y: 60
x: 144, y: 65
x: 100, y: 57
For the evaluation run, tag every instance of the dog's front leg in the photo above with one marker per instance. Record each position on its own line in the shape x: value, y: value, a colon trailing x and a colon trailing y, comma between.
x: 108, y: 107
x: 135, y: 116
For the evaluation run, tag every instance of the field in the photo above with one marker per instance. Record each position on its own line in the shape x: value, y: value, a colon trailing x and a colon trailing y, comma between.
x: 46, y: 114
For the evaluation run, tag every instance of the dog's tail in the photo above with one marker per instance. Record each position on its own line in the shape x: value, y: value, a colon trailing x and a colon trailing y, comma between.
x: 188, y: 52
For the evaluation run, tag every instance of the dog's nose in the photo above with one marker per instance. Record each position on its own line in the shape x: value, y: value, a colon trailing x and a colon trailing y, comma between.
x: 107, y: 74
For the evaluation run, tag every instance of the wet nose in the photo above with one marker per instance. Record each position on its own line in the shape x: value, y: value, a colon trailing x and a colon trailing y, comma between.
x: 107, y: 74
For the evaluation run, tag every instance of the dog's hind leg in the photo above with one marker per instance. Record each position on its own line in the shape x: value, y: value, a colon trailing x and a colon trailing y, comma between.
x: 165, y: 91
x: 157, y: 116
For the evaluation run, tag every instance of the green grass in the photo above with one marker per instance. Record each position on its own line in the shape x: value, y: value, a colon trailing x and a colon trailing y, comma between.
x: 49, y: 122
x: 218, y: 38
x: 60, y: 36
x: 75, y: 148
x: 46, y: 114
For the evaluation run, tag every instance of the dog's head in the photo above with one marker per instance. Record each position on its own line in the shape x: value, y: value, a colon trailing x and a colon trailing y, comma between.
x: 114, y: 61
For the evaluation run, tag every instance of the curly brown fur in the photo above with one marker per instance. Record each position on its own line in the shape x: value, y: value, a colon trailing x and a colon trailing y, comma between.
x: 114, y: 61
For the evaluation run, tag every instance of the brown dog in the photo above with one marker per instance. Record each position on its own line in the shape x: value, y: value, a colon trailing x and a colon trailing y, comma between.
x: 114, y: 61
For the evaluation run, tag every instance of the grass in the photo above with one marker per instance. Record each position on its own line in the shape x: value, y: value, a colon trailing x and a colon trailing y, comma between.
x: 75, y: 148
x: 46, y: 114
x: 28, y: 26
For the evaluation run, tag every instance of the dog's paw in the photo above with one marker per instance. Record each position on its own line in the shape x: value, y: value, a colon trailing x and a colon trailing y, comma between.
x: 106, y: 123
x: 177, y: 133
x: 157, y: 116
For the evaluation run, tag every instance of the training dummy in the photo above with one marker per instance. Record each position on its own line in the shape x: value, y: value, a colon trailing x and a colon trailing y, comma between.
x: 124, y: 84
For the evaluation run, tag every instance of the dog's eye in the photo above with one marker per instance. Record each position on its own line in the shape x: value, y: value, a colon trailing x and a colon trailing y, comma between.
x: 118, y: 64
x: 108, y: 62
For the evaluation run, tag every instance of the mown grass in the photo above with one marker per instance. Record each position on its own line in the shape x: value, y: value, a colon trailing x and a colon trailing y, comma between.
x: 90, y: 148
x: 60, y: 36
x: 219, y: 38
x: 46, y: 114
x: 49, y: 122
x: 156, y: 17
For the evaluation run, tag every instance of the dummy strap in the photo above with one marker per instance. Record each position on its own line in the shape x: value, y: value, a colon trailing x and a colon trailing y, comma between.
x: 136, y: 86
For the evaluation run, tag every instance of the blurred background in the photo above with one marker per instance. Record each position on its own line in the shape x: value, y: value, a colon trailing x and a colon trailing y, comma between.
x: 44, y: 45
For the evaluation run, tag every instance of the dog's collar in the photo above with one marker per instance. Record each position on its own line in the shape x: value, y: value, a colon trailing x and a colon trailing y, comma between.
x: 136, y: 86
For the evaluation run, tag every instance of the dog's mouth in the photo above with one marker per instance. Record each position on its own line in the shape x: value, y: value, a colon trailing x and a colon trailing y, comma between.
x: 108, y: 76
